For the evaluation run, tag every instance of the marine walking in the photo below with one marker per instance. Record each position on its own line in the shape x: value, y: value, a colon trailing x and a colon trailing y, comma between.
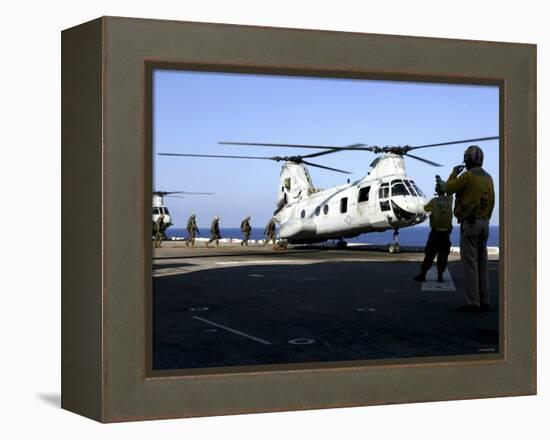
x: 192, y: 230
x: 159, y: 226
x: 245, y: 229
x: 269, y: 232
x: 215, y: 234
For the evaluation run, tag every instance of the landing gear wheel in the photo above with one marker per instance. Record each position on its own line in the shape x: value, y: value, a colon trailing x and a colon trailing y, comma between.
x: 341, y: 244
x: 394, y: 248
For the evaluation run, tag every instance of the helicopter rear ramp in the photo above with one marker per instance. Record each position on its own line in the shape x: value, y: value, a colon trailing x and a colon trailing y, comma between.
x: 235, y: 306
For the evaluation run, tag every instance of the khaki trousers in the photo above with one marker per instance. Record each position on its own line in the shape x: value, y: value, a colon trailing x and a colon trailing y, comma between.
x: 473, y: 253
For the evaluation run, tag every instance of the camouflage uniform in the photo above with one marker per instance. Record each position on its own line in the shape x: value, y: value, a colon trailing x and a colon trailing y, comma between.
x: 270, y: 232
x: 158, y: 229
x: 246, y: 229
x: 214, y: 232
x: 192, y: 230
x: 475, y: 200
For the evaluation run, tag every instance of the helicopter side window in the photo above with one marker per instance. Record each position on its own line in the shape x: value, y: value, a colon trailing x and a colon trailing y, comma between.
x: 303, y: 213
x: 398, y: 188
x: 363, y: 194
x: 156, y: 211
x: 318, y: 210
x: 325, y: 209
x: 344, y: 205
x: 385, y: 205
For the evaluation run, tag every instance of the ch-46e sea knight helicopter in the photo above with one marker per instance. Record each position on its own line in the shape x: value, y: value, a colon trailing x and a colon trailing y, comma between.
x: 160, y: 208
x: 386, y: 198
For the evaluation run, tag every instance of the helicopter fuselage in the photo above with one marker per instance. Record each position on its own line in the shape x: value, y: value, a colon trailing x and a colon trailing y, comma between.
x: 159, y: 208
x: 384, y: 199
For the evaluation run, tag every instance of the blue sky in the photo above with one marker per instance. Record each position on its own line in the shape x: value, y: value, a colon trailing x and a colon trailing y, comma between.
x: 192, y: 111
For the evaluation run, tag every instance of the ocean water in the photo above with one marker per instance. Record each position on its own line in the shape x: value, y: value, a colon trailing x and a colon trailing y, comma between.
x: 415, y: 236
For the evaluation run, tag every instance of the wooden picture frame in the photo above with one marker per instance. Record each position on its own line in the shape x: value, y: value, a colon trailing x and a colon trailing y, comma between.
x: 106, y: 183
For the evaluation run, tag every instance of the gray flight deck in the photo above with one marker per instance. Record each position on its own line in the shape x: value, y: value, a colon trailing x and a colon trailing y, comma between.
x: 234, y: 306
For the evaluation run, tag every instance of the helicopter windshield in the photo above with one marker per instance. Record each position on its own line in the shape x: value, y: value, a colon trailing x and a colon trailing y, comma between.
x: 419, y: 192
x: 156, y: 211
x: 398, y: 188
x: 410, y: 187
x: 166, y: 211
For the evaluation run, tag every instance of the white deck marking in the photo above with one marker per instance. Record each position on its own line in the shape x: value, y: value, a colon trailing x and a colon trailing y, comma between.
x: 431, y: 284
x: 232, y: 330
x: 249, y: 262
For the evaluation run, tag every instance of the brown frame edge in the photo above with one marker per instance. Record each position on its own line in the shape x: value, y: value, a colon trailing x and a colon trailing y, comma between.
x: 106, y: 377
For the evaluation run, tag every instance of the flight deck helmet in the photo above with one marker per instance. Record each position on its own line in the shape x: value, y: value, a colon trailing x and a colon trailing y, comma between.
x: 473, y: 156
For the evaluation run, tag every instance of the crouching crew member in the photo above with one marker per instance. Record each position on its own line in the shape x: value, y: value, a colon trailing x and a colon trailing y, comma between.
x: 439, y: 242
x: 475, y: 200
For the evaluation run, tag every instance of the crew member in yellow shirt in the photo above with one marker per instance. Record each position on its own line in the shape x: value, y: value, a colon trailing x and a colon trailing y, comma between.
x: 439, y: 241
x: 475, y: 200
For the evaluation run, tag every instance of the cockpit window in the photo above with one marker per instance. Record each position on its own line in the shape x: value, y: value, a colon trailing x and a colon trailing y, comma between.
x: 420, y: 193
x: 166, y: 211
x: 398, y: 188
x: 410, y: 187
x: 156, y: 211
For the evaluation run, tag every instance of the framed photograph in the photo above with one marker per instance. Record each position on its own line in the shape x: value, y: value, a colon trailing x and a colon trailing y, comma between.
x: 264, y: 219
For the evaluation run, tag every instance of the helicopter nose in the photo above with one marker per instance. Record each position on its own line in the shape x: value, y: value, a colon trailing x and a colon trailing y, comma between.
x: 414, y: 205
x: 420, y: 203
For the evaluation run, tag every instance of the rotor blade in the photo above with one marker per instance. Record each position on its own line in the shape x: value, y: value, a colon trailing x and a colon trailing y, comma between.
x: 324, y: 167
x: 421, y: 159
x: 176, y: 197
x: 259, y: 144
x: 217, y: 156
x: 331, y: 149
x: 464, y: 141
x: 188, y: 193
x: 336, y: 149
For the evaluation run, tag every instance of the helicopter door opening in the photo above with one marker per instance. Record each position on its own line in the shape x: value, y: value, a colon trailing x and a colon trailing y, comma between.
x: 363, y: 194
x: 366, y: 204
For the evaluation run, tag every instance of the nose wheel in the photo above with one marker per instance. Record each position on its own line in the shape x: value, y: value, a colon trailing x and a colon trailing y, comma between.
x: 341, y: 244
x: 393, y: 247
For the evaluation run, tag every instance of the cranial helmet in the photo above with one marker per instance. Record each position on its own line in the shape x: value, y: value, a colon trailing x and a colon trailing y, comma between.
x: 474, y: 155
